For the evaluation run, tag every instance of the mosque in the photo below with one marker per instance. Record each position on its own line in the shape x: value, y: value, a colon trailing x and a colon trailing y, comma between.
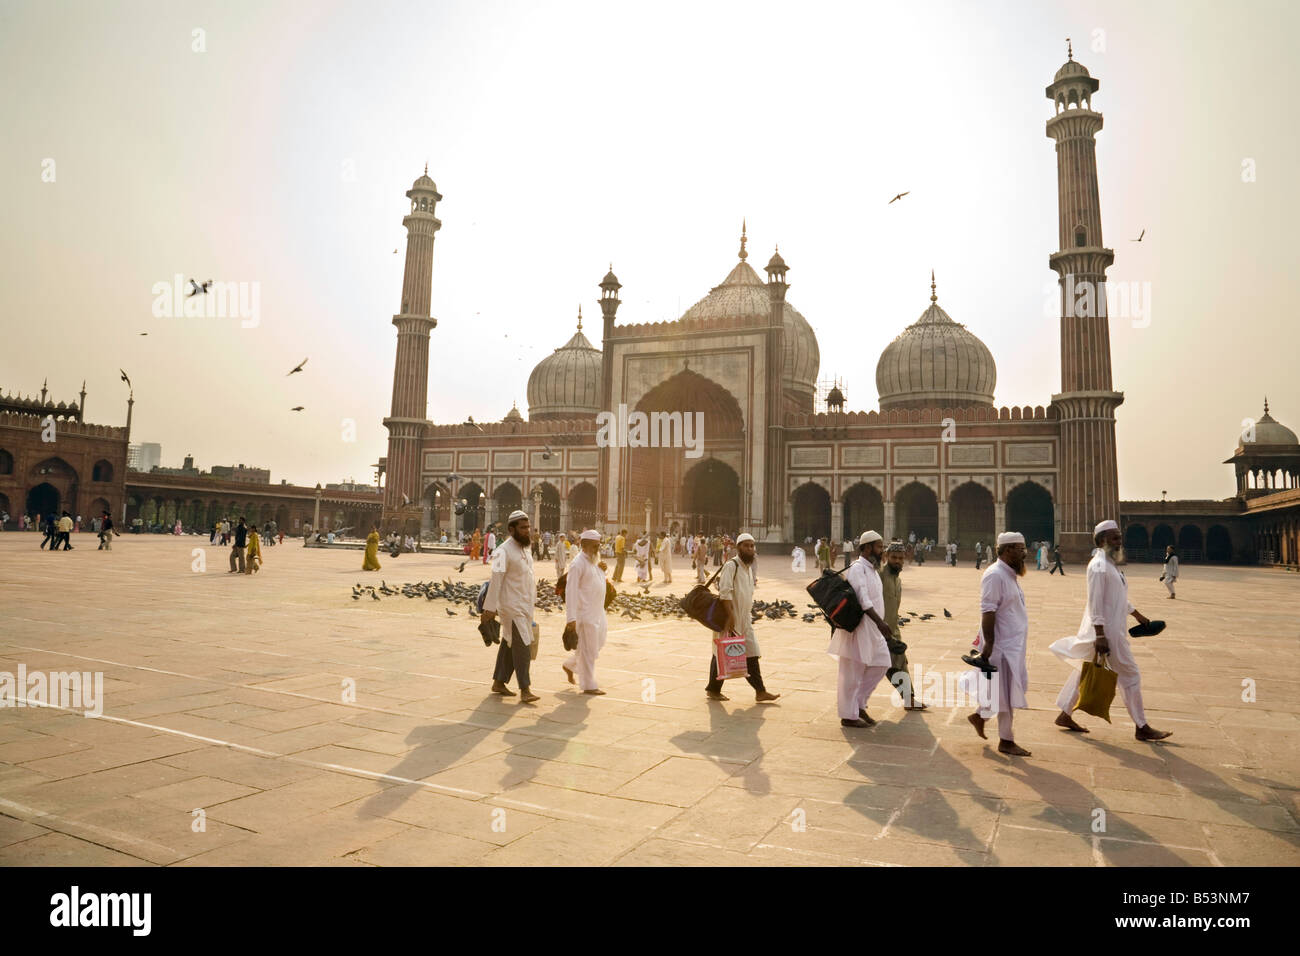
x: 938, y: 457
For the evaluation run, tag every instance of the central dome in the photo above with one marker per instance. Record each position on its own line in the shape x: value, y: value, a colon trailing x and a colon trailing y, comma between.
x: 743, y: 294
x: 936, y: 362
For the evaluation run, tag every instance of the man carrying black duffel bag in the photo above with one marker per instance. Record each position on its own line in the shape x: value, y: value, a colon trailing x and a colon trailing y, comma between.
x: 862, y: 652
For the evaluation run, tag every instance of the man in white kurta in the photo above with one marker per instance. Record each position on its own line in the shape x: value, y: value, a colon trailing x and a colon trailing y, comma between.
x: 1003, y: 641
x: 1170, y: 574
x: 561, y: 554
x: 736, y: 584
x: 862, y: 653
x: 584, y: 609
x: 666, y: 557
x: 642, y: 553
x: 511, y: 592
x: 798, y: 559
x: 1103, y: 631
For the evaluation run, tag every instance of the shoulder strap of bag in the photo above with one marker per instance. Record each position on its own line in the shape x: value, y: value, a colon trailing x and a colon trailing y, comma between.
x: 709, y: 583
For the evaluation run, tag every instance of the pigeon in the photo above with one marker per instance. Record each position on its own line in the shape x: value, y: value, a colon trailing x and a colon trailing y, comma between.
x: 546, y: 455
x: 297, y: 408
x: 405, y: 500
x: 298, y: 367
x: 144, y: 333
x: 125, y: 379
x: 374, y: 595
x: 1139, y: 238
x: 195, y: 288
x: 461, y: 569
x: 947, y: 613
x: 897, y: 198
x: 454, y: 477
x: 450, y: 612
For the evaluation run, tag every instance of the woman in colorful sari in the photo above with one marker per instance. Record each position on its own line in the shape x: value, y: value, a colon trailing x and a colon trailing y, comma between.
x: 475, y: 543
x: 371, y: 563
x: 253, y: 559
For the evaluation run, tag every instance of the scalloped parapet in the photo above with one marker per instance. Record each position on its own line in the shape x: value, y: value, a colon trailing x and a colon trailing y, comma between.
x: 924, y: 416
x: 540, y: 429
x: 66, y: 426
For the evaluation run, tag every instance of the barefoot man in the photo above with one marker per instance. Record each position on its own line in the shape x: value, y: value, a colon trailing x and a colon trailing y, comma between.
x: 584, y: 611
x: 1102, y: 631
x: 1004, y: 633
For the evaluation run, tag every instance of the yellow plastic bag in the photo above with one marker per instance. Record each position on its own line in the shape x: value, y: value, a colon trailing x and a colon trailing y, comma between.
x: 1096, y: 688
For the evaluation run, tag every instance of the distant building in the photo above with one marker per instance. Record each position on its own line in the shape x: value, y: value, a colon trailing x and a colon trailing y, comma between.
x: 144, y: 457
x: 185, y: 469
x: 242, y: 472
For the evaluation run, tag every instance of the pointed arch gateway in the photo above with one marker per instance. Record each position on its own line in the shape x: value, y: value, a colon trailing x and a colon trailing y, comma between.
x: 916, y: 509
x: 711, y: 498
x: 686, y: 413
x: 864, y: 510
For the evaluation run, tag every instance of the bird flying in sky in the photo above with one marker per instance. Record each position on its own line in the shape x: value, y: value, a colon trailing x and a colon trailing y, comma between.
x: 125, y: 379
x: 897, y: 198
x: 298, y: 367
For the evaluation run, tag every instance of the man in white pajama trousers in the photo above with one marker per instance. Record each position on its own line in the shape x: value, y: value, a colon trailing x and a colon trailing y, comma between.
x: 1103, y: 631
x: 584, y: 610
x: 862, y: 653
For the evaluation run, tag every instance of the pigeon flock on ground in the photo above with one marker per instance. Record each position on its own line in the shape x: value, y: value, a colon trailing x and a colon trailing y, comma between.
x: 626, y: 605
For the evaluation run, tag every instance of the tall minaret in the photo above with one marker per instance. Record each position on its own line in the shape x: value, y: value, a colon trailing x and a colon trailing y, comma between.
x: 609, y: 303
x: 409, y: 416
x: 1088, y: 486
x: 774, y: 490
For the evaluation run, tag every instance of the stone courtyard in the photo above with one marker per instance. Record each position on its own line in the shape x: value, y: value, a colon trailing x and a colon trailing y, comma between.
x: 227, y: 694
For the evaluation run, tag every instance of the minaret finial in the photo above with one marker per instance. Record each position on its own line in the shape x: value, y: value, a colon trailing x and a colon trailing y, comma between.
x: 1265, y: 404
x: 426, y: 167
x: 1069, y: 48
x: 743, y: 254
x: 580, y: 314
x: 933, y: 297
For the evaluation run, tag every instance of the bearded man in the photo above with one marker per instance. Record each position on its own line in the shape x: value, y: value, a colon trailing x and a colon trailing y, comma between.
x: 736, y: 596
x: 1103, y: 631
x: 891, y: 583
x: 1003, y: 642
x: 511, y: 593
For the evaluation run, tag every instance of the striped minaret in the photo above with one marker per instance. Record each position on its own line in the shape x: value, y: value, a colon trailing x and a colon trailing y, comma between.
x: 1088, y: 486
x: 406, y: 424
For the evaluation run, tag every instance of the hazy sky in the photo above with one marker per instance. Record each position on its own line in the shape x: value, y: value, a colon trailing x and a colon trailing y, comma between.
x: 564, y: 136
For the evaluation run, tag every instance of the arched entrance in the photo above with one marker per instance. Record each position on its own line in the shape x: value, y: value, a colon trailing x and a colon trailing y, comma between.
x: 1190, y: 543
x: 681, y: 415
x: 864, y: 510
x: 1218, y: 544
x: 916, y: 509
x: 582, y: 507
x: 971, y: 515
x: 1161, y: 537
x: 508, y: 498
x: 1029, y: 511
x: 810, y: 513
x: 1137, y: 543
x: 472, y: 495
x: 43, y: 500
x: 548, y: 509
x: 711, y: 498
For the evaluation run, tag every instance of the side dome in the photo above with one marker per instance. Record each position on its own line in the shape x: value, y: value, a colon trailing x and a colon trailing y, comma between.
x: 513, y: 415
x: 566, y: 384
x: 935, y: 362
